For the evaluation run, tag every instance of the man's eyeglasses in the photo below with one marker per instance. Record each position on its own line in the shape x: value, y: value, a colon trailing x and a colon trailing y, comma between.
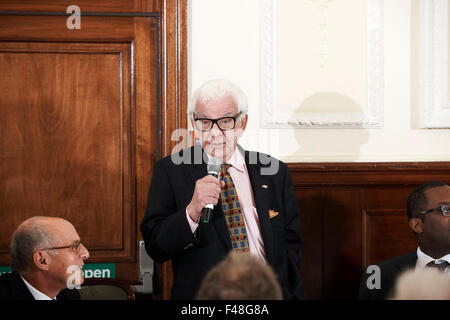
x: 444, y: 209
x: 75, y: 246
x: 224, y: 123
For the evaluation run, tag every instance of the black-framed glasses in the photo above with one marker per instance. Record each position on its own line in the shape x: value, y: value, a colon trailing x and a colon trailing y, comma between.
x: 444, y: 209
x: 75, y: 246
x: 224, y: 123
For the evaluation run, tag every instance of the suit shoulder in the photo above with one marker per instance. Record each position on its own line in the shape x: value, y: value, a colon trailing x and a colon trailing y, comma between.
x: 9, y: 278
x: 405, y: 260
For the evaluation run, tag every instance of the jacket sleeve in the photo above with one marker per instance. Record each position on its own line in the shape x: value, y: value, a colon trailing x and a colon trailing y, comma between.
x: 164, y: 228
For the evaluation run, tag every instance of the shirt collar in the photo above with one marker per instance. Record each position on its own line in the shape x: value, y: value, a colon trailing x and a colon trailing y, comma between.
x: 237, y: 161
x: 423, y: 259
x: 35, y: 292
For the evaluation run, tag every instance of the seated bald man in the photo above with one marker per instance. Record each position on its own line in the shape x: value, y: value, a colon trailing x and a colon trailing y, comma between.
x: 47, y: 257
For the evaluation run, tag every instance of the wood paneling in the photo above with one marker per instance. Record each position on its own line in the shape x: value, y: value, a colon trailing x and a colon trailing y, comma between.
x: 353, y: 215
x: 85, y: 115
x: 68, y: 122
x: 119, y: 6
x: 387, y: 235
x: 66, y: 139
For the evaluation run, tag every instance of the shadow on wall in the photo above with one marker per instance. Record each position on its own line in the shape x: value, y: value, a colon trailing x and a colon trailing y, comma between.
x: 341, y: 135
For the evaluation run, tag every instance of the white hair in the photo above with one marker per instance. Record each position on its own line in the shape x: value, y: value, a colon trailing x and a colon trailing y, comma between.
x: 218, y: 89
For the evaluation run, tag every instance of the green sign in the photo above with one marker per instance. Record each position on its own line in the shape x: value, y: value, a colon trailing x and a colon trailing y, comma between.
x: 5, y: 269
x: 90, y: 270
x: 99, y: 270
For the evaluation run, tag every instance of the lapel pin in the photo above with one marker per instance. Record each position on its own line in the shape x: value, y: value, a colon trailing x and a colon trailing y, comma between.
x: 264, y: 186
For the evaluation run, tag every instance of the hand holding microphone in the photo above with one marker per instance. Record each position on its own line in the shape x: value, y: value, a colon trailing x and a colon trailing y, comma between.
x: 206, y: 193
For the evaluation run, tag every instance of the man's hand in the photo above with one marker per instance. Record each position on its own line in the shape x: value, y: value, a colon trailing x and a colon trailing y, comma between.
x: 207, y: 190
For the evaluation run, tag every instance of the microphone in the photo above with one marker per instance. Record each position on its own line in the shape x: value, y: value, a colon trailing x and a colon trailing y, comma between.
x: 214, y: 166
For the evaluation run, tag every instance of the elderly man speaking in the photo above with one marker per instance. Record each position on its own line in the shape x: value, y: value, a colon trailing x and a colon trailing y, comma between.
x: 252, y: 197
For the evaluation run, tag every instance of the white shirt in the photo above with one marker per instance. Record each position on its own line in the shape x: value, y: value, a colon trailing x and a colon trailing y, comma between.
x: 423, y: 259
x: 239, y: 174
x: 35, y: 292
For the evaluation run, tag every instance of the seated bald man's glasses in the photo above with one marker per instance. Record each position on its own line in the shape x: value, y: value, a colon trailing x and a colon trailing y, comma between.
x: 75, y: 246
x: 444, y: 209
x: 224, y: 123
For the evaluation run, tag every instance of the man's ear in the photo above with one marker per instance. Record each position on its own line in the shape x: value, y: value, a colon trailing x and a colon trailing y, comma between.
x: 244, y: 122
x: 41, y: 260
x: 239, y: 131
x: 416, y: 225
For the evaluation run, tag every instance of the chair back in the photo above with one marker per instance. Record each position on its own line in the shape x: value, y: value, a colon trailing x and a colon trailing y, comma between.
x: 105, y: 289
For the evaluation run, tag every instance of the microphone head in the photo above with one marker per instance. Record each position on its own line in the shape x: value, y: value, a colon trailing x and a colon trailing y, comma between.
x: 214, y: 166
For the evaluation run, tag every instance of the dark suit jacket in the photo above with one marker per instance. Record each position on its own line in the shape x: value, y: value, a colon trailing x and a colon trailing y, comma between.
x: 12, y: 287
x: 167, y: 234
x: 389, y: 272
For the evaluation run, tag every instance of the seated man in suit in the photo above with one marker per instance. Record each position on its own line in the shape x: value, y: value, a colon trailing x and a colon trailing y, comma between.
x: 47, y: 258
x: 258, y: 211
x: 428, y: 209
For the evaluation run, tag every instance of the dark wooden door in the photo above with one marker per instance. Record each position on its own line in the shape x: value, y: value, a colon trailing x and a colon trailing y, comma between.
x: 85, y: 114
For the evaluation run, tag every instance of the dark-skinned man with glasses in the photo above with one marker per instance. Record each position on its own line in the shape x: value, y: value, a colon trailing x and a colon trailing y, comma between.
x: 47, y: 257
x: 255, y: 205
x: 428, y: 210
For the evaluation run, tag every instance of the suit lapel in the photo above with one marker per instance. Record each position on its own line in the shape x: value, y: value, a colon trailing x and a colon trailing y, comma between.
x: 261, y: 203
x: 197, y: 167
x: 198, y: 170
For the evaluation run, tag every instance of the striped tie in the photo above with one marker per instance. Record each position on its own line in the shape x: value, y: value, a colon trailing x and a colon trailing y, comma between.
x: 233, y: 214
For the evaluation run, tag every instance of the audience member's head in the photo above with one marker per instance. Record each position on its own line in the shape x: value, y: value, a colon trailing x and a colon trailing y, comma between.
x: 240, y: 276
x: 46, y: 251
x: 429, y: 217
x: 422, y: 284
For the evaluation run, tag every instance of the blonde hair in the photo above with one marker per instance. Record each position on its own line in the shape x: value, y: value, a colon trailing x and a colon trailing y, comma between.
x: 424, y: 284
x: 240, y: 276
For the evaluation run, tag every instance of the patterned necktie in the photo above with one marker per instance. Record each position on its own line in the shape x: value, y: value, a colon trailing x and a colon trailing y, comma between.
x: 440, y: 265
x: 233, y: 214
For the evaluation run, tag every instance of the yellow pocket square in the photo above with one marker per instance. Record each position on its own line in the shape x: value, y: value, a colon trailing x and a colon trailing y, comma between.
x: 272, y: 214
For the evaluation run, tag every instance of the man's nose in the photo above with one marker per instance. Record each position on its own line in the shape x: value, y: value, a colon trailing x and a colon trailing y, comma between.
x: 84, y: 252
x: 215, y: 130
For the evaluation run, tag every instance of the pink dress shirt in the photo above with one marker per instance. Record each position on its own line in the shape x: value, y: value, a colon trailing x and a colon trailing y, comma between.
x: 239, y: 174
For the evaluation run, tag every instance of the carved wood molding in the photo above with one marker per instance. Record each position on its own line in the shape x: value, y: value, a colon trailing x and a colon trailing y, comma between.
x: 436, y: 110
x: 173, y: 73
x: 363, y: 174
x: 373, y: 115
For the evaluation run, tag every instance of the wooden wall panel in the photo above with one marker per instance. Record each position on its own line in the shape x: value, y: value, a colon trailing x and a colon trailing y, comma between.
x: 310, y: 202
x: 387, y: 235
x: 80, y: 127
x: 66, y: 138
x: 342, y: 238
x: 120, y: 6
